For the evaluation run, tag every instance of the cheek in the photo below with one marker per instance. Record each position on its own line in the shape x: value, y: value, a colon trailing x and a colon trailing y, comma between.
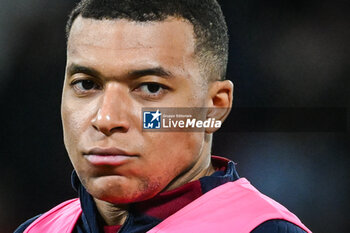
x: 75, y: 120
x: 71, y: 127
x: 173, y: 152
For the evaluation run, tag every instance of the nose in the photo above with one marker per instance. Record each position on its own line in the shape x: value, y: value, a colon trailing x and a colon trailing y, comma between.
x: 112, y: 115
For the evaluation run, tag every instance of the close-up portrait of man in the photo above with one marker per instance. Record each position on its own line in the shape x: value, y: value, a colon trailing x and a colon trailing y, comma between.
x: 147, y: 85
x: 125, y: 55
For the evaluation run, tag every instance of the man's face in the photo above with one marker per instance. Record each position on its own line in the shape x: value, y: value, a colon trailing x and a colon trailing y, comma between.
x: 114, y: 69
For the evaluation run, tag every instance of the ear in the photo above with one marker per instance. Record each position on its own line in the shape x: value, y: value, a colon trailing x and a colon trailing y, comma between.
x: 220, y: 98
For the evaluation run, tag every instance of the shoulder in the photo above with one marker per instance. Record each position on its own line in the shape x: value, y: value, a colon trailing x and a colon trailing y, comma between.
x: 62, y: 217
x: 24, y: 225
x: 254, y: 210
x: 278, y: 226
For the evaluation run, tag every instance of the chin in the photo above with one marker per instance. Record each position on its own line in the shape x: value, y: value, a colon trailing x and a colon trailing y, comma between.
x: 117, y: 190
x: 123, y: 199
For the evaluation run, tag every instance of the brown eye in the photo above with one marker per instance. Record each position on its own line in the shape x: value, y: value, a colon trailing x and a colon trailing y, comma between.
x: 153, y: 88
x: 87, y: 84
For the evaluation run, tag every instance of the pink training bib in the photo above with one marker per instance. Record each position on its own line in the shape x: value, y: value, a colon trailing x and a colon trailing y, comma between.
x: 232, y: 207
x: 61, y: 219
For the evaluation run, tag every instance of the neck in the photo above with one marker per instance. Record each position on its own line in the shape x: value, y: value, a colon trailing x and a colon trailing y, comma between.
x: 112, y: 214
x: 202, y: 167
x: 196, y: 172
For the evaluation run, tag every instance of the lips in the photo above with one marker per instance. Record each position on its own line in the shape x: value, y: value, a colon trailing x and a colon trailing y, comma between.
x: 108, y: 156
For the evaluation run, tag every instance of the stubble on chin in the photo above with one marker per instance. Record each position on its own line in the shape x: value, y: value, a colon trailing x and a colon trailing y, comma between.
x: 145, y: 188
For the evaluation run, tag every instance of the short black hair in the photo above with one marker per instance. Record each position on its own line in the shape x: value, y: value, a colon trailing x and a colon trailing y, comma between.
x: 206, y: 16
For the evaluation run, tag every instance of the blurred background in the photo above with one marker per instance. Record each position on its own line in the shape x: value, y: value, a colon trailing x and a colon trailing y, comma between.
x: 289, y: 54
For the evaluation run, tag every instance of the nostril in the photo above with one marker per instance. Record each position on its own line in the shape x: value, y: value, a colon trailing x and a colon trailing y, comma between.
x: 119, y: 129
x: 108, y: 125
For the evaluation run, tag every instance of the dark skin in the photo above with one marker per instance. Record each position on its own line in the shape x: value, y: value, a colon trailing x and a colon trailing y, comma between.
x: 114, y: 68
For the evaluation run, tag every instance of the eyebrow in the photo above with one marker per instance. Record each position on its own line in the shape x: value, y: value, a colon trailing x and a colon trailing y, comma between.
x: 75, y: 69
x: 156, y: 71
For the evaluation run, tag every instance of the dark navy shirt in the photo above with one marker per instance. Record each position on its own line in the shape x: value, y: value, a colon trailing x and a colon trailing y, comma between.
x: 145, y: 215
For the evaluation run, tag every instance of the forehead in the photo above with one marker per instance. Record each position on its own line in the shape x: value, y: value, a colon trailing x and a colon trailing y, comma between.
x: 130, y: 34
x: 114, y: 42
